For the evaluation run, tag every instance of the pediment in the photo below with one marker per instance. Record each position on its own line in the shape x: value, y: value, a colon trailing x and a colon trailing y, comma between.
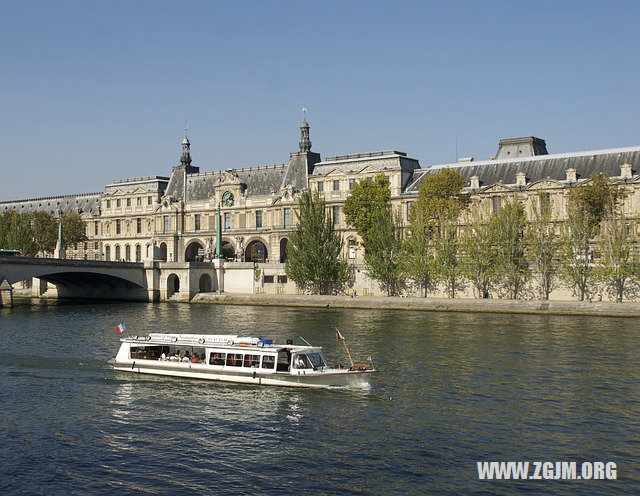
x: 334, y: 172
x: 547, y: 183
x: 369, y: 170
x: 497, y: 188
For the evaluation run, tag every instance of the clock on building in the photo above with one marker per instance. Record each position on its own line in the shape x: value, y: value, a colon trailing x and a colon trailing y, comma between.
x: 227, y: 199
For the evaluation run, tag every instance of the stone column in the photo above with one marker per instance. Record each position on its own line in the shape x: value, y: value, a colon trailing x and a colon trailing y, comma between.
x: 38, y: 287
x: 6, y: 293
x: 218, y: 263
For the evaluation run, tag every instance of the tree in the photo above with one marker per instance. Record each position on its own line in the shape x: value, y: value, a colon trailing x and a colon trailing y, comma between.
x: 617, y: 268
x: 45, y: 231
x: 441, y: 192
x: 447, y: 267
x: 368, y: 210
x: 479, y: 256
x: 17, y: 233
x: 417, y: 254
x: 314, y: 249
x: 508, y: 226
x: 73, y: 229
x: 586, y: 207
x: 544, y: 244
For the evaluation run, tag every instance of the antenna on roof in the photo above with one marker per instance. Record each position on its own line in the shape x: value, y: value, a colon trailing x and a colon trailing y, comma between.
x: 304, y: 112
x: 186, y: 129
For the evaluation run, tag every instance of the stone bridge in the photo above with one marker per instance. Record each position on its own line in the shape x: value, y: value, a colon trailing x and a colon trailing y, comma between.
x: 148, y: 281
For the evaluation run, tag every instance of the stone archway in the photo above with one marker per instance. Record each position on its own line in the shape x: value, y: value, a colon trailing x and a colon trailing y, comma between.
x: 256, y: 252
x: 173, y: 285
x: 191, y: 253
x: 163, y: 252
x: 205, y: 285
x: 283, y: 250
x: 228, y: 250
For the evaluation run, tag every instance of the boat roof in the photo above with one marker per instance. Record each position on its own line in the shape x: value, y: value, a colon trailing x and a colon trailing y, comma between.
x: 214, y: 340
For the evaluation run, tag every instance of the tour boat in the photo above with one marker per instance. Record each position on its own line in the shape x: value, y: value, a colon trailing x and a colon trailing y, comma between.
x: 233, y: 358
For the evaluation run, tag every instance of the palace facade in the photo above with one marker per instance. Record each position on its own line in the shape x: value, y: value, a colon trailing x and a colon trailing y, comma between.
x: 173, y: 218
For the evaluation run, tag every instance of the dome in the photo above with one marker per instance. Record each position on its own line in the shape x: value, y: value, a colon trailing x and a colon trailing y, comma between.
x: 185, y: 141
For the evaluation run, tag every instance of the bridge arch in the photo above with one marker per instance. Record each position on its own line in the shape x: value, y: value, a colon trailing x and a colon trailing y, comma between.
x: 173, y: 285
x: 205, y: 285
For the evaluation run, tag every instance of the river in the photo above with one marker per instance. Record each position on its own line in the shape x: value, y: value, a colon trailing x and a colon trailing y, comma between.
x: 454, y: 389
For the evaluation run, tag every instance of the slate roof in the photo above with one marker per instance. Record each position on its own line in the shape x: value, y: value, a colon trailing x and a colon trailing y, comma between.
x: 351, y: 164
x: 540, y: 167
x: 88, y: 202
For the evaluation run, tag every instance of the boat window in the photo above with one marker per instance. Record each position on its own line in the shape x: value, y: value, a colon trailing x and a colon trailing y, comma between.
x: 284, y: 359
x: 217, y: 359
x: 234, y: 360
x: 186, y: 354
x: 316, y: 360
x: 148, y: 352
x: 301, y: 361
x: 252, y: 360
x: 268, y: 361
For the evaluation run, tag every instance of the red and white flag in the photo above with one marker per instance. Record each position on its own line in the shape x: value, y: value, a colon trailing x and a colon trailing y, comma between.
x: 339, y: 336
x: 121, y: 328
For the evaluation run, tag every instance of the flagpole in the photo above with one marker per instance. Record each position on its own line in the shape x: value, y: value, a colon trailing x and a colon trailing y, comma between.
x: 344, y: 343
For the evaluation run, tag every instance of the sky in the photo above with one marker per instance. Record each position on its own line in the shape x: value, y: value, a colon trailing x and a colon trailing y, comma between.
x: 92, y: 91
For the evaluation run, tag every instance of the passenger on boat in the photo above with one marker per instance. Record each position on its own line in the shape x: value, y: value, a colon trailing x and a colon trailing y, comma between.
x: 185, y: 359
x: 163, y: 357
x: 300, y: 363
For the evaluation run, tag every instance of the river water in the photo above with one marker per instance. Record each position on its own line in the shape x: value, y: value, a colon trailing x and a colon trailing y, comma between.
x: 454, y: 389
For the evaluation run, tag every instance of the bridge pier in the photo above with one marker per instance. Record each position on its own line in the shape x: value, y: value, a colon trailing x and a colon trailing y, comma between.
x: 38, y: 287
x: 6, y: 293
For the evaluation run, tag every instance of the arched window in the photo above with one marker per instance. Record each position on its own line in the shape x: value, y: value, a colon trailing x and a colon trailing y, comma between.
x: 127, y: 253
x: 283, y: 250
x: 107, y: 253
x: 138, y: 253
x: 117, y: 256
x: 256, y: 252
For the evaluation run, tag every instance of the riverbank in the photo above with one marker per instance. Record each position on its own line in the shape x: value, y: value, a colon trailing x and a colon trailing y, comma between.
x: 600, y: 308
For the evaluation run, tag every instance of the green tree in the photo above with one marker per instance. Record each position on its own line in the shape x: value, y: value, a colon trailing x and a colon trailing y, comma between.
x: 417, y: 254
x: 73, y: 229
x: 314, y: 249
x: 368, y: 210
x: 586, y: 207
x: 447, y: 266
x: 441, y: 192
x: 479, y: 256
x: 508, y: 226
x: 45, y: 231
x: 544, y: 244
x: 17, y: 233
x: 617, y: 268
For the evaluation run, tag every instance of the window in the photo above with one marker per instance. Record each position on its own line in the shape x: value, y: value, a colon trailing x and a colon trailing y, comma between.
x: 268, y: 362
x: 234, y: 360
x: 227, y: 221
x: 336, y: 215
x: 353, y: 246
x: 149, y: 200
x: 282, y: 279
x: 138, y: 253
x: 118, y: 227
x: 258, y: 219
x: 95, y: 227
x: 138, y: 226
x: 287, y: 218
x: 196, y: 222
x: 127, y: 253
x: 352, y: 183
x: 409, y: 210
x: 118, y: 203
x: 252, y: 361
x: 165, y: 224
x: 85, y: 246
x: 128, y: 202
x: 95, y: 245
x: 139, y: 201
x: 320, y: 186
x: 108, y: 203
x: 497, y: 203
x: 268, y: 279
x: 336, y: 185
x: 217, y: 359
x: 107, y: 253
x: 117, y: 253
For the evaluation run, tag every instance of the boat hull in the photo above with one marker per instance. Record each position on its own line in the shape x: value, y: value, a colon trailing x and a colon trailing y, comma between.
x: 334, y: 378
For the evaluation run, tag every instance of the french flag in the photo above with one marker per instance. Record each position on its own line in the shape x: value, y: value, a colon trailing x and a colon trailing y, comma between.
x: 121, y: 328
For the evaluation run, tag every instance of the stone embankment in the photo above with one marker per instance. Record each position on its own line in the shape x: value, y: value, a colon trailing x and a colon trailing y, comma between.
x: 601, y: 308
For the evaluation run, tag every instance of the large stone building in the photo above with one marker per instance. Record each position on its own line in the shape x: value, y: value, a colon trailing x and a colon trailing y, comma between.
x: 173, y: 219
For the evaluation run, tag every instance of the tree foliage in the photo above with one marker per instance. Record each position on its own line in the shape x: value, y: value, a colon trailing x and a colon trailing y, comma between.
x: 45, y: 231
x: 73, y: 229
x: 314, y: 249
x: 441, y: 193
x: 479, y: 256
x: 16, y: 232
x: 417, y: 254
x: 544, y: 244
x: 585, y: 209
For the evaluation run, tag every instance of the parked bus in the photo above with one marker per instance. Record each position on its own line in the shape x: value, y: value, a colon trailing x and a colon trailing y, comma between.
x: 9, y: 253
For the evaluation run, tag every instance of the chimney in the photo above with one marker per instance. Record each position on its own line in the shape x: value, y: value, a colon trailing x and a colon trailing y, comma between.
x: 521, y: 179
x: 475, y: 182
x: 572, y: 177
x: 625, y: 171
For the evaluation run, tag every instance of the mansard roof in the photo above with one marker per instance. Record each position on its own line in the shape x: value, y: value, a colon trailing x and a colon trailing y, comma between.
x: 379, y: 161
x: 538, y: 167
x: 87, y: 202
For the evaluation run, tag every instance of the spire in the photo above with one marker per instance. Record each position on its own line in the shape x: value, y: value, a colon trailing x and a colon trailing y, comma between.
x: 305, y: 141
x: 185, y: 159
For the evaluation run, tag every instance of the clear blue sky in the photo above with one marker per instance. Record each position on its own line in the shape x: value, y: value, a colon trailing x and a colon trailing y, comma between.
x: 94, y: 91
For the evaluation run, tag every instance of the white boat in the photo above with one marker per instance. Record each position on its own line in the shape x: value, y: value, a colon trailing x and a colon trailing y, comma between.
x: 235, y: 359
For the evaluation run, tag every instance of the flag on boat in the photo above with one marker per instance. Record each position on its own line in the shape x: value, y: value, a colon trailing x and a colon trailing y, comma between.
x: 121, y: 328
x: 339, y: 336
